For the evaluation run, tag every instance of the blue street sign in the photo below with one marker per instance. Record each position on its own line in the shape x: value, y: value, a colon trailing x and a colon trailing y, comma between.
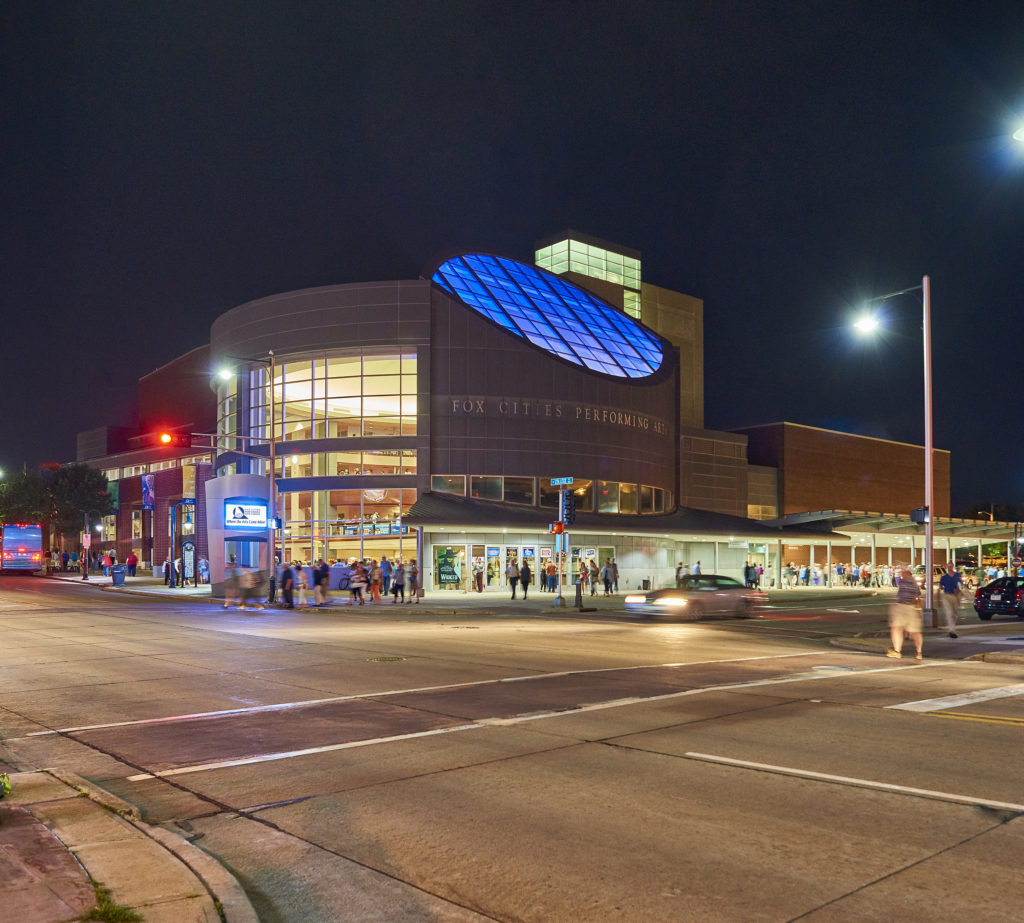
x: 555, y: 482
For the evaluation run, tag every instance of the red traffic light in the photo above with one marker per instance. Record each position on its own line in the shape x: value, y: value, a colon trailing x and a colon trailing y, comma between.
x: 557, y: 528
x: 174, y: 439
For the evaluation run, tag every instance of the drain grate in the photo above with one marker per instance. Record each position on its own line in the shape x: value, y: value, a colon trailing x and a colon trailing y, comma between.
x: 384, y: 659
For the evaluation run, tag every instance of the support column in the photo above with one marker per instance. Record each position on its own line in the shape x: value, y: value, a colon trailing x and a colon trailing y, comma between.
x: 716, y: 556
x: 949, y: 551
x: 873, y: 552
x: 778, y: 565
x: 810, y: 566
x: 828, y: 563
x: 979, y: 553
x: 912, y: 552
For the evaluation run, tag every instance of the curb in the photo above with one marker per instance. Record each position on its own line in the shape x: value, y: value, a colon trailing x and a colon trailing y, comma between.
x: 221, y: 885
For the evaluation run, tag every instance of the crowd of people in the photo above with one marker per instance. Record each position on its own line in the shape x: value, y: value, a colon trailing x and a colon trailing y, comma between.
x: 365, y: 581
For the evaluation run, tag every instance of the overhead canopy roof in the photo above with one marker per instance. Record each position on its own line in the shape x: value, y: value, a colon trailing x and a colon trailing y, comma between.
x: 432, y: 509
x: 895, y: 524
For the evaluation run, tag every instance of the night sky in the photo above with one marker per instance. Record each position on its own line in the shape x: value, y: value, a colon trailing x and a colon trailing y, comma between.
x: 164, y: 162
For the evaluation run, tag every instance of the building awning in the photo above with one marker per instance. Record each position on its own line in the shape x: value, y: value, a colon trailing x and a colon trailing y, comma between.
x: 962, y: 530
x: 684, y: 524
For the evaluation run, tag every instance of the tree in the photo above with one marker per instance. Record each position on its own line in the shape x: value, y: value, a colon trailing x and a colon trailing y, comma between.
x: 26, y: 497
x: 77, y: 490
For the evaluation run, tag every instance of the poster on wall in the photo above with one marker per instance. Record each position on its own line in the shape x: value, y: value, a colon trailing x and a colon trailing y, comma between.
x: 136, y: 524
x: 449, y: 567
x: 188, y: 482
x: 148, y: 492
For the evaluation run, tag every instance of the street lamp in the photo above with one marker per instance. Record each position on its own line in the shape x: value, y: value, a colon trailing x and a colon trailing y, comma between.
x: 867, y: 324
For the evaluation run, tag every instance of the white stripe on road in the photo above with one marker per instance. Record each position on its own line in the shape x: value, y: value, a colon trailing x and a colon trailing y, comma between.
x: 967, y: 698
x: 306, y: 703
x: 266, y: 757
x: 520, y: 719
x: 861, y: 783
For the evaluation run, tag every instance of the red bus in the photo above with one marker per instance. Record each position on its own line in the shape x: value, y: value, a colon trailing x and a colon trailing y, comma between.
x: 21, y: 546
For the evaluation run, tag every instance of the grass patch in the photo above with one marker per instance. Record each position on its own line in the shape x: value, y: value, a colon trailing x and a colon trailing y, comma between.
x: 106, y: 911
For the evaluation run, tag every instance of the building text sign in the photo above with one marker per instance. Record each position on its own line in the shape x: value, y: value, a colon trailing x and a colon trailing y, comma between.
x: 555, y: 410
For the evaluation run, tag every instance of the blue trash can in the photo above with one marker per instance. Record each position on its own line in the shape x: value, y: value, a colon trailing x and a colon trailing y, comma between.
x: 117, y: 573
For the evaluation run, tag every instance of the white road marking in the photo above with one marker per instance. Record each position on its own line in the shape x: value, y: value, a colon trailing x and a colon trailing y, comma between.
x: 284, y: 706
x: 967, y: 698
x: 521, y: 719
x: 861, y: 783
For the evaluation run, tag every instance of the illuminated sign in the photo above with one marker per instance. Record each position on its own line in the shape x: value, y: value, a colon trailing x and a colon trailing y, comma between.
x: 245, y: 515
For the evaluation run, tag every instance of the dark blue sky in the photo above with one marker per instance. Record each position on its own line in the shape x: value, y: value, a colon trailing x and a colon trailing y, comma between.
x: 164, y: 162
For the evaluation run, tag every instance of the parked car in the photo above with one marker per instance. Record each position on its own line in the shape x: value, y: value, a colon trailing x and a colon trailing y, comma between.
x: 703, y: 596
x: 1004, y: 595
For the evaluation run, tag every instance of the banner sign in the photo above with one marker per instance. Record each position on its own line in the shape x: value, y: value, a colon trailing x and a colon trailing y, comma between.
x: 148, y: 492
x: 188, y: 482
x: 244, y: 515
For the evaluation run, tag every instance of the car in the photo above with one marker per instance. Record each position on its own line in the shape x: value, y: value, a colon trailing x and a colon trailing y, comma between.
x: 1003, y: 596
x: 698, y: 597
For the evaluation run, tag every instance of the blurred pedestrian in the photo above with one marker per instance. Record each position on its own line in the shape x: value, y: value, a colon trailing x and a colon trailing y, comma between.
x: 905, y: 616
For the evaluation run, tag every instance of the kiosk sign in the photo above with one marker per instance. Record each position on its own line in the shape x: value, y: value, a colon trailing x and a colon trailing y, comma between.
x: 244, y: 515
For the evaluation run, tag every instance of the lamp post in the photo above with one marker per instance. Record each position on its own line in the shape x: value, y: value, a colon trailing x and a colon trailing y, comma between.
x: 868, y: 324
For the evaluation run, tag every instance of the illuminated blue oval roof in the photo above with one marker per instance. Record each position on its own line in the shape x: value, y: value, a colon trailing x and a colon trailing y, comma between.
x: 552, y: 313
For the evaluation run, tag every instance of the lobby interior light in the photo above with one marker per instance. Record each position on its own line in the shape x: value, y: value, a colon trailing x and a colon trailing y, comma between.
x: 225, y: 374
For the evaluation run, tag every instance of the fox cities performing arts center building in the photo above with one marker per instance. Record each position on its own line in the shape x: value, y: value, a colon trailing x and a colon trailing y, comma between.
x: 428, y: 417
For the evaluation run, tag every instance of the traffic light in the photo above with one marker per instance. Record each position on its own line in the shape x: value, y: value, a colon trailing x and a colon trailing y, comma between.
x: 557, y: 528
x: 569, y: 514
x: 174, y: 439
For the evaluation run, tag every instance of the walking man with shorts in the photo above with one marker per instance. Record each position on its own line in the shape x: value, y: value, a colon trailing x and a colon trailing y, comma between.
x: 905, y: 616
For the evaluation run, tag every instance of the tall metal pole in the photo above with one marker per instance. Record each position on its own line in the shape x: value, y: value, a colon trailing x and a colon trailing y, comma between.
x: 929, y: 480
x: 272, y: 563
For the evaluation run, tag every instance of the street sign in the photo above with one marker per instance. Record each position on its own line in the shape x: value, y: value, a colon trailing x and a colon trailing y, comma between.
x: 555, y: 482
x: 86, y: 539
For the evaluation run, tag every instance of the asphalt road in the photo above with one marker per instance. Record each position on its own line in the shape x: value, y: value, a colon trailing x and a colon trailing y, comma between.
x: 394, y: 764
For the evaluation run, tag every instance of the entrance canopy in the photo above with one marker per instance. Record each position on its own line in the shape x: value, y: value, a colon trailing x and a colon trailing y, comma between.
x: 432, y: 509
x: 895, y: 526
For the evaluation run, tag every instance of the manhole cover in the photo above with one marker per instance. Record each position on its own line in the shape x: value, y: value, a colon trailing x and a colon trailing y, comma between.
x: 383, y: 659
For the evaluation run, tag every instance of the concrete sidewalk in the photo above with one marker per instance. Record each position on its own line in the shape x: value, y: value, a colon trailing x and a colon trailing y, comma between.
x: 67, y: 847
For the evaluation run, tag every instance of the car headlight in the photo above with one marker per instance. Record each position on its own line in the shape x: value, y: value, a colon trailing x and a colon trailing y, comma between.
x: 635, y: 599
x: 670, y: 601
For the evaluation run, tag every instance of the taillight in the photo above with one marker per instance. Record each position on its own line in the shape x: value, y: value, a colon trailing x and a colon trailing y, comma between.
x: 977, y: 593
x: 1020, y: 595
x: 35, y: 557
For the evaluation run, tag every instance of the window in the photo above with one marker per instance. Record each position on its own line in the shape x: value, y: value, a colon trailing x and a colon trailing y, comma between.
x: 627, y: 498
x: 607, y: 497
x: 646, y: 499
x: 519, y: 490
x: 483, y: 487
x: 448, y: 484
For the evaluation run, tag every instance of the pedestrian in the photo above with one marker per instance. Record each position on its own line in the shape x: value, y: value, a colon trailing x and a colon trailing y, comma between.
x: 203, y: 567
x: 606, y: 577
x: 412, y: 575
x: 322, y: 577
x: 356, y: 584
x: 512, y: 573
x: 386, y: 571
x: 551, y: 572
x: 594, y: 574
x: 232, y: 590
x: 525, y: 577
x: 301, y: 584
x: 615, y: 576
x: 398, y: 583
x: 64, y: 558
x: 950, y: 585
x: 167, y: 569
x: 178, y: 578
x: 478, y: 576
x: 131, y: 562
x: 696, y: 569
x: 375, y: 578
x: 288, y: 587
x: 248, y: 584
x: 106, y: 562
x: 905, y: 616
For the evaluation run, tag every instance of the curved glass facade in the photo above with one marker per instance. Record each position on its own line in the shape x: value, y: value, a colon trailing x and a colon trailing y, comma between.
x: 354, y: 506
x: 553, y: 314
